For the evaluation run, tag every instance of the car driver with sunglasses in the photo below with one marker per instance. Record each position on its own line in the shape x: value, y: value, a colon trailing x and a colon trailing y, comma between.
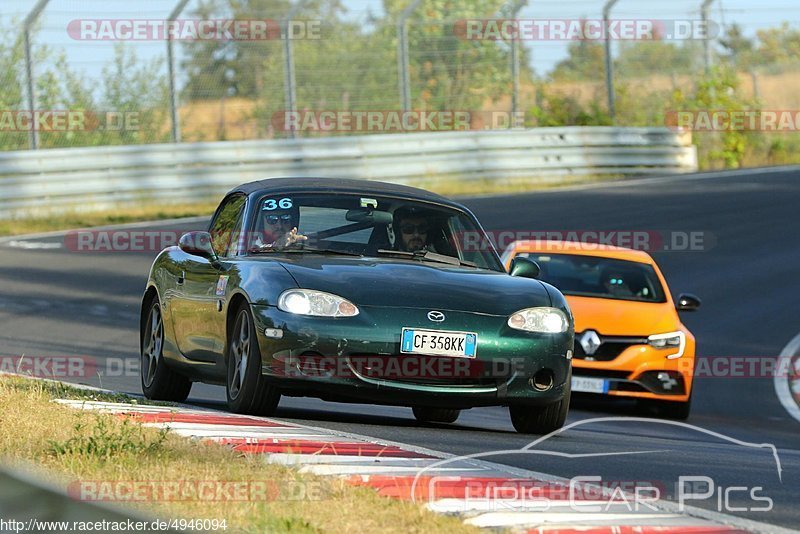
x: 280, y: 229
x: 413, y: 228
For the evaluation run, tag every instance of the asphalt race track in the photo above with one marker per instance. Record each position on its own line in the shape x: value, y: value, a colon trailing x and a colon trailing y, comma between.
x: 56, y: 302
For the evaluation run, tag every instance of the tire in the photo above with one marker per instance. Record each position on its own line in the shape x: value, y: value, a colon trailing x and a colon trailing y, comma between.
x: 159, y: 382
x: 542, y: 419
x: 247, y: 390
x: 424, y: 414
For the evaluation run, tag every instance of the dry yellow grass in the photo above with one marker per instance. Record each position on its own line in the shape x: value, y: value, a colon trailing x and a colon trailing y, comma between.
x: 75, y: 445
x: 88, y: 219
x: 230, y: 119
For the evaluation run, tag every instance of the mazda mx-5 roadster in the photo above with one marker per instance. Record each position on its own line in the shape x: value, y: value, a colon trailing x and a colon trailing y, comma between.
x: 355, y: 291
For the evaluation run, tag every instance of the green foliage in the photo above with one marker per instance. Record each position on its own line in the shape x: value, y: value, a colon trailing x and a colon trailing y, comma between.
x: 127, y: 86
x: 104, y: 441
x: 565, y: 110
x: 718, y: 91
x: 643, y: 58
x: 586, y: 61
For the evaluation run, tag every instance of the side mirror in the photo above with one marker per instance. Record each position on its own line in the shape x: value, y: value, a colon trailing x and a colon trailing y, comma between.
x: 524, y: 267
x: 687, y: 302
x: 198, y: 244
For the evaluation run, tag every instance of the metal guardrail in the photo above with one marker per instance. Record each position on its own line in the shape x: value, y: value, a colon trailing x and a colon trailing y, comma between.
x: 28, y: 504
x: 59, y: 180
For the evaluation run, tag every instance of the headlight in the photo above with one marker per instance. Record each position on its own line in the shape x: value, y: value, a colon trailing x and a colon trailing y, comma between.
x: 673, y: 340
x: 316, y: 303
x: 543, y: 320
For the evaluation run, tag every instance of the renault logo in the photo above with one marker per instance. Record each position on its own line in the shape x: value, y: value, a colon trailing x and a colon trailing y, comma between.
x: 436, y: 316
x: 590, y: 342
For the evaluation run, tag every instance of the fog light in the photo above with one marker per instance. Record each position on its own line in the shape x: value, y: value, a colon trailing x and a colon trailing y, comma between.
x: 542, y: 380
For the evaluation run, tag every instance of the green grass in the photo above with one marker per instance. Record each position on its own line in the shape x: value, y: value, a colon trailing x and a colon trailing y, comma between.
x: 83, y: 446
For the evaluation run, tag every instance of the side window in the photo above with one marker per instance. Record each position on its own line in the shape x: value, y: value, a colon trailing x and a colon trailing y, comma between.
x: 225, y: 224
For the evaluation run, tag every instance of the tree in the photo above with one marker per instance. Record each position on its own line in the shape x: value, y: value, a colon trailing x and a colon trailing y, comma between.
x: 585, y: 61
x: 738, y: 49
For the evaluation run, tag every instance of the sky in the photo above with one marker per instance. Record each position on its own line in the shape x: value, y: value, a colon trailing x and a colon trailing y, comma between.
x: 91, y: 56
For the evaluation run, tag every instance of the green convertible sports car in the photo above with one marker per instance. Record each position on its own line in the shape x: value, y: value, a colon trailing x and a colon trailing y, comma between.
x: 355, y: 291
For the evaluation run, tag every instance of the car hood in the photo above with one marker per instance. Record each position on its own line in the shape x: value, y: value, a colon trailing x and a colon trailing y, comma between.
x: 611, y: 317
x: 412, y: 284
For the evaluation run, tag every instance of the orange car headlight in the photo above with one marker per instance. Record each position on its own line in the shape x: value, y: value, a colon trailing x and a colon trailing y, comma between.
x: 676, y: 341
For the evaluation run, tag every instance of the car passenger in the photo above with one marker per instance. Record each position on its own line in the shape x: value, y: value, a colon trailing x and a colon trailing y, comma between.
x: 413, y: 229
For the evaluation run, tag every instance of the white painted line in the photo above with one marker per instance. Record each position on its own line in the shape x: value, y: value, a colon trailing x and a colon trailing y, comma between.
x: 121, y: 407
x: 461, y: 506
x: 220, y: 432
x: 511, y: 519
x: 33, y: 245
x: 283, y: 458
x: 782, y: 382
x: 333, y: 469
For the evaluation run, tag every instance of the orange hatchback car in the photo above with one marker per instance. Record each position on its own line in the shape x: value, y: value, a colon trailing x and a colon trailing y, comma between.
x: 629, y: 341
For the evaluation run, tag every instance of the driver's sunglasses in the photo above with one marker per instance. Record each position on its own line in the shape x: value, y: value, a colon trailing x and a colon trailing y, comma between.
x: 409, y: 228
x: 275, y: 219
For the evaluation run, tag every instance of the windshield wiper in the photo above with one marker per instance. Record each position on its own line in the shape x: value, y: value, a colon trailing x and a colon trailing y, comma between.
x: 427, y: 255
x: 295, y: 247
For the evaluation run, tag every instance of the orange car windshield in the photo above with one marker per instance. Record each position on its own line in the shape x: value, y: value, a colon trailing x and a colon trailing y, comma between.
x: 592, y: 276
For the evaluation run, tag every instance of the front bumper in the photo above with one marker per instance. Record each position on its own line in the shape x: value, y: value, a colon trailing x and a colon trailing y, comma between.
x: 359, y: 359
x: 641, y: 371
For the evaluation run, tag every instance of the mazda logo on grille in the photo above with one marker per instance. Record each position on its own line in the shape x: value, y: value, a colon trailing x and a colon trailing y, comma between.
x: 436, y: 316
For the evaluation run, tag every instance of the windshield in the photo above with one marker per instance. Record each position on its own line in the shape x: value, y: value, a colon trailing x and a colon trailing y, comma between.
x: 368, y: 225
x: 591, y: 276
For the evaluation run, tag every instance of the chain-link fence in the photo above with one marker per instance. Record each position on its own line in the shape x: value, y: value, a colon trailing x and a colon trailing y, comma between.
x: 84, y: 73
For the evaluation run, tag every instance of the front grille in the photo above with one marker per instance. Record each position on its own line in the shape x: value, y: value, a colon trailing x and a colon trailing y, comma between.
x: 609, y: 349
x: 600, y: 373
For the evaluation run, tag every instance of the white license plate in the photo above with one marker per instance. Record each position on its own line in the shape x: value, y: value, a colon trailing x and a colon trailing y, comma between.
x: 589, y: 385
x: 438, y: 343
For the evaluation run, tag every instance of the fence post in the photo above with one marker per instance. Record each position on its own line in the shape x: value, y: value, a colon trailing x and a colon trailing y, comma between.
x: 402, y: 55
x: 33, y: 135
x: 173, y: 93
x: 706, y: 44
x: 289, y: 80
x: 515, y: 8
x: 612, y: 107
